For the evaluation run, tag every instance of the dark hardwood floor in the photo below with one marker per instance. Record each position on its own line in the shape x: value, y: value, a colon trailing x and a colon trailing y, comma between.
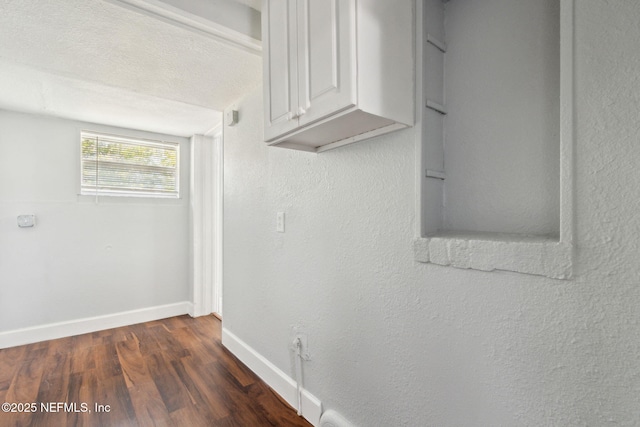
x: 171, y: 372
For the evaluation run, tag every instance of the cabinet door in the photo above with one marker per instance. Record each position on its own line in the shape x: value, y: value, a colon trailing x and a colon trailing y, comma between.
x: 326, y: 58
x: 279, y: 49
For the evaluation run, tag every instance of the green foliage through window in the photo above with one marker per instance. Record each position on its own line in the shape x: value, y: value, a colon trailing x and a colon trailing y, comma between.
x: 123, y: 166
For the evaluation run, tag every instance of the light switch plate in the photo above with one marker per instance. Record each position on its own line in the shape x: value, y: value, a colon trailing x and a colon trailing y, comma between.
x: 25, y: 221
x: 280, y: 222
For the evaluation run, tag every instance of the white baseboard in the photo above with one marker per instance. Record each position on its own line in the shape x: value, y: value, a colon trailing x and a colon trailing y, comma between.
x: 91, y: 324
x: 280, y: 382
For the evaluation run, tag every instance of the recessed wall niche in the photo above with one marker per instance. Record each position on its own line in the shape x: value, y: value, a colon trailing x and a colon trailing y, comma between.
x: 495, y: 134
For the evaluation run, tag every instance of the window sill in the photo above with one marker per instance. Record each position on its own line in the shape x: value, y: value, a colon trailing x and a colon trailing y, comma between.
x: 128, y: 195
x: 128, y: 200
x: 538, y: 255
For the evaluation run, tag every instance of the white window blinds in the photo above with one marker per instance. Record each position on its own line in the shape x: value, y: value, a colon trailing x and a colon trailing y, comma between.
x: 118, y: 166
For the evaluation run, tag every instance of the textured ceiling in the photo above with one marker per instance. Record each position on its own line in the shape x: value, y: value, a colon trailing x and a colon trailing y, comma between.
x: 53, y: 52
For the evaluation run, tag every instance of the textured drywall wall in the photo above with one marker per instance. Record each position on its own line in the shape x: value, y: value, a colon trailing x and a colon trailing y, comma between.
x: 502, y: 85
x: 395, y: 342
x: 83, y: 258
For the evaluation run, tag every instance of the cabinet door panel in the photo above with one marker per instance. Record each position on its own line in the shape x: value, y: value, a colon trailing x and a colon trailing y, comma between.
x: 280, y: 73
x: 326, y: 58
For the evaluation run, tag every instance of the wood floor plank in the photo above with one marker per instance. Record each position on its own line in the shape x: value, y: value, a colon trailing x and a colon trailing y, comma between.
x: 105, y: 357
x: 86, y: 386
x: 26, y: 382
x: 170, y: 372
x: 278, y: 415
x: 130, y: 359
x: 114, y: 393
x: 205, y: 393
x: 199, y: 352
x: 174, y: 394
x: 238, y: 371
x: 145, y: 397
x: 150, y: 410
x: 168, y: 342
x: 9, y: 360
x: 192, y: 415
x: 244, y: 410
x: 24, y: 386
x: 60, y: 346
x: 54, y: 387
x: 83, y: 341
x: 82, y: 359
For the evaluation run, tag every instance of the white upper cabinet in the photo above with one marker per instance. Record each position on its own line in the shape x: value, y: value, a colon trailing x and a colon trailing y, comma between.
x: 336, y: 71
x: 280, y: 65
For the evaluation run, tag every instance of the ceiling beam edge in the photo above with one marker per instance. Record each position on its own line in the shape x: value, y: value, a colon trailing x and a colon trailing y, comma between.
x: 172, y: 15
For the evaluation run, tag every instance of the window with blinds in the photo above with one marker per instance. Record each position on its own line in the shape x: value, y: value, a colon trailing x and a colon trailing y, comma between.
x: 119, y: 166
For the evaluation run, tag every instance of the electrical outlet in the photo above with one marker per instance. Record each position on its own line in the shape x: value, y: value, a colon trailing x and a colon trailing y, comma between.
x: 297, y: 332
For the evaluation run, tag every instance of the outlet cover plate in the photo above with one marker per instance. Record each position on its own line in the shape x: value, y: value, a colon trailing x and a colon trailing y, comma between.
x: 299, y: 332
x: 26, y: 221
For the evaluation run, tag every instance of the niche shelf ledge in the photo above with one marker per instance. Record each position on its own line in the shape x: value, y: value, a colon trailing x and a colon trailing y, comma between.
x: 538, y: 255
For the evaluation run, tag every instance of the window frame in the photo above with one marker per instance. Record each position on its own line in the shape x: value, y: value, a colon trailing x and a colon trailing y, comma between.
x: 84, y: 190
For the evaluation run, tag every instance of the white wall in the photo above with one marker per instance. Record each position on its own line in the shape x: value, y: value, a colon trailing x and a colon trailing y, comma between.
x: 83, y: 258
x: 502, y: 139
x: 395, y: 342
